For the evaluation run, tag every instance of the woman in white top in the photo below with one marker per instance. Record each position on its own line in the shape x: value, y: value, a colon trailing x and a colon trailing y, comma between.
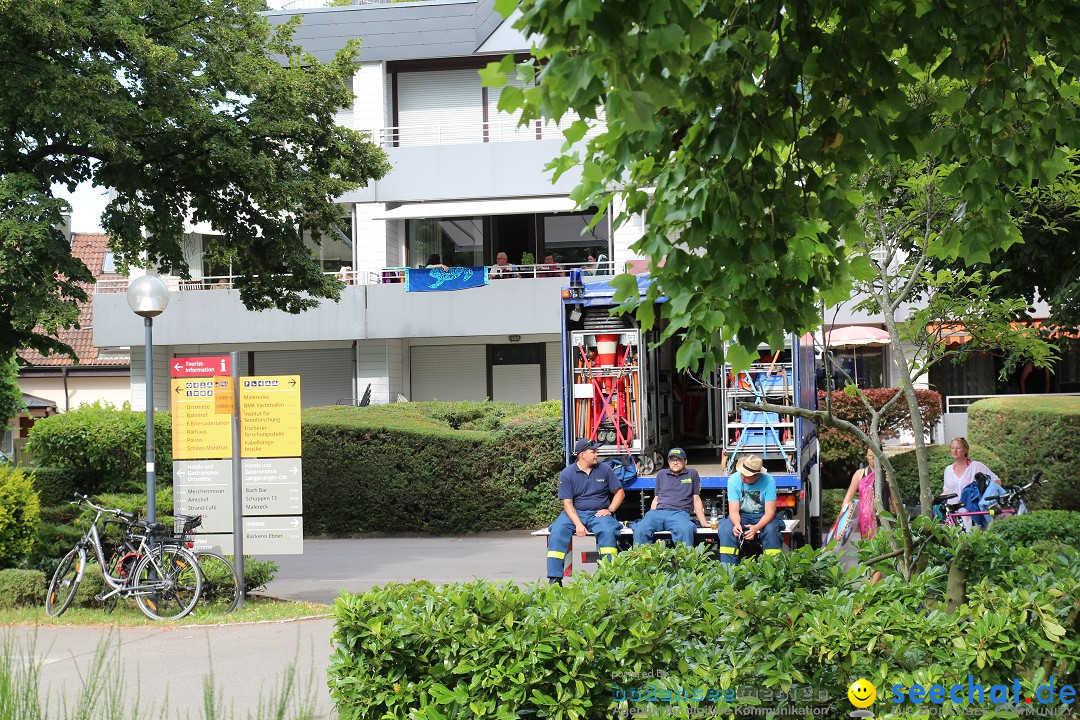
x: 962, y: 472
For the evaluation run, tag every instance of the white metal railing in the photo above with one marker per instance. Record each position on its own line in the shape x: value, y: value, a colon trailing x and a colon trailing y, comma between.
x: 961, y: 403
x: 373, y: 276
x: 464, y: 133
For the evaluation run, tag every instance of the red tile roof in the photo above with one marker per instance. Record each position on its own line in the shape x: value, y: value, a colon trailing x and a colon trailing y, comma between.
x: 91, y: 250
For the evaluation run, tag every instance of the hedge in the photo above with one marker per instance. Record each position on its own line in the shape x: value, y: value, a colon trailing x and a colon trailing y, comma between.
x: 19, y: 514
x: 842, y: 454
x: 1053, y: 526
x: 106, y: 445
x: 19, y: 588
x: 1031, y: 434
x: 907, y: 468
x: 665, y: 621
x: 430, y: 467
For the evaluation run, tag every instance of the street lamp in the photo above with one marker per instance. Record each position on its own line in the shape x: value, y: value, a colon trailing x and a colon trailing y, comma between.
x: 147, y: 296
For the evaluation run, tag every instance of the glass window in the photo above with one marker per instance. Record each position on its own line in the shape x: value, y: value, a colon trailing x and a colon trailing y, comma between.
x: 566, y: 237
x: 866, y: 365
x: 517, y: 354
x: 108, y: 265
x: 457, y: 241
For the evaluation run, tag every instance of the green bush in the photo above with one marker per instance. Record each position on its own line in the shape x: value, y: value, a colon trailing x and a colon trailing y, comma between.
x: 667, y: 620
x: 831, y: 499
x: 19, y: 588
x: 907, y: 468
x: 1053, y: 526
x: 257, y: 573
x: 106, y: 443
x: 19, y: 515
x: 57, y: 486
x: 430, y: 467
x: 1032, y: 434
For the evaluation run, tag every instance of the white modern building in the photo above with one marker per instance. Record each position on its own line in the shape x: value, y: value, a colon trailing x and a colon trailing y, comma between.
x: 467, y: 184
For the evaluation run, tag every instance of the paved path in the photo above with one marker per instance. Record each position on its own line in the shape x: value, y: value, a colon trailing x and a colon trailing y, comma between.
x: 248, y: 661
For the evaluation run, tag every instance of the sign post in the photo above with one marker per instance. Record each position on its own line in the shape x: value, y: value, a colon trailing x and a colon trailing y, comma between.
x: 238, y: 489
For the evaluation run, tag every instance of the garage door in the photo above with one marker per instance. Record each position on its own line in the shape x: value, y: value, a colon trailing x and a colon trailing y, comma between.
x: 325, y: 375
x: 449, y: 372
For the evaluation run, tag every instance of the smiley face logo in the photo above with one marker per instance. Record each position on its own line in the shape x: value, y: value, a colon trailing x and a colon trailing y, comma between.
x: 862, y: 693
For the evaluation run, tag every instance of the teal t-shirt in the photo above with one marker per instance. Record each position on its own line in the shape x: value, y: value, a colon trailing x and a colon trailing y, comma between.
x: 751, y: 496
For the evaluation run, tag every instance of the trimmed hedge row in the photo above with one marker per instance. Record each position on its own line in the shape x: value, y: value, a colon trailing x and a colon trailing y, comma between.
x: 1031, y: 434
x: 430, y: 467
x: 22, y: 588
x: 1050, y: 526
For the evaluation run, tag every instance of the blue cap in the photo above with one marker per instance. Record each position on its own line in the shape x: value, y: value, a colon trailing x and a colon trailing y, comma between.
x: 677, y: 453
x: 585, y: 444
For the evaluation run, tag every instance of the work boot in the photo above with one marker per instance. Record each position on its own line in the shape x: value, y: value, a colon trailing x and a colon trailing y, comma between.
x: 555, y: 581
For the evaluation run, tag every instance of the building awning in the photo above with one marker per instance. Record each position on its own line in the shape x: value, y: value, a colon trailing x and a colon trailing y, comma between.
x: 855, y: 336
x: 478, y: 208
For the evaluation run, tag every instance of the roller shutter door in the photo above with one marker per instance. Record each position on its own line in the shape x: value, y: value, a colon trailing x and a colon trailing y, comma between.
x: 503, y: 126
x: 554, y: 371
x: 449, y: 372
x: 325, y: 375
x: 440, y: 108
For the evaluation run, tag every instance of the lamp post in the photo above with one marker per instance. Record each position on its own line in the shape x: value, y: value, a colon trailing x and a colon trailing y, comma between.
x: 148, y: 297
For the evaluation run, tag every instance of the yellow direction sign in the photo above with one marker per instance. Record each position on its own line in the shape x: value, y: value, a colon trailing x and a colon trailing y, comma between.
x: 198, y: 433
x: 224, y: 400
x: 270, y: 416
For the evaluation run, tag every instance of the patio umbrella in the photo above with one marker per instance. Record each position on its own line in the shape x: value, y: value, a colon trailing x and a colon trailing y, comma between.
x: 856, y: 335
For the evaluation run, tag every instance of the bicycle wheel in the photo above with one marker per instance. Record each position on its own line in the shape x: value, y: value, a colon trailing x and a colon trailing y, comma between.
x: 167, y: 583
x: 65, y: 582
x: 221, y: 587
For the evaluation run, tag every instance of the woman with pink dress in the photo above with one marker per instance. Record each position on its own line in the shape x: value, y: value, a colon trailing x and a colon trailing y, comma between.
x: 863, y: 483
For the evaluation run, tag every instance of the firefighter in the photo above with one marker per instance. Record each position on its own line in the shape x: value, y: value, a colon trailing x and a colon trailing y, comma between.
x: 590, y: 495
x: 678, y: 494
x: 751, y: 510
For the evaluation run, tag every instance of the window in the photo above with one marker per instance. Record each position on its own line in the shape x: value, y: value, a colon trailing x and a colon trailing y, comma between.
x: 457, y: 241
x: 866, y: 365
x: 108, y: 264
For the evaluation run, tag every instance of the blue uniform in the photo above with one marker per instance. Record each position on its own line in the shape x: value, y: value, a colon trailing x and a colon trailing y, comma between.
x: 590, y: 492
x: 751, y: 498
x: 675, y: 502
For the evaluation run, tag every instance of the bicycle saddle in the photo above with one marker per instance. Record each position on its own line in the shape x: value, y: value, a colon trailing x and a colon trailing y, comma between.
x: 938, y: 499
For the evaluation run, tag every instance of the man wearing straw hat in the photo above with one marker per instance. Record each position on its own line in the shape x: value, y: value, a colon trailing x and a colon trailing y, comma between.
x: 751, y: 510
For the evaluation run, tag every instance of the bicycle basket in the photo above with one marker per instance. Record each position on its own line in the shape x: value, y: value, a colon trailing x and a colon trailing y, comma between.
x: 184, y: 527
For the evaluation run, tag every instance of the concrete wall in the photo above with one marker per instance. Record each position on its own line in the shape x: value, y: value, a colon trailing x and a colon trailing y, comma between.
x: 475, y: 170
x: 208, y: 317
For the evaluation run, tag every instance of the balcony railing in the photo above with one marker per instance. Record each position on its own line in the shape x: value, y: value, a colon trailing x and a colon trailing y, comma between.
x: 375, y: 276
x: 466, y: 133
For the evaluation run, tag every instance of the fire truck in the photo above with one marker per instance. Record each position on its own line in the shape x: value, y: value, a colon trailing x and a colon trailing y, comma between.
x: 622, y: 390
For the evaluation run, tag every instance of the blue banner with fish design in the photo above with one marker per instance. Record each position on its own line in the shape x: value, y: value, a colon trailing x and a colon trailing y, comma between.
x: 456, y: 278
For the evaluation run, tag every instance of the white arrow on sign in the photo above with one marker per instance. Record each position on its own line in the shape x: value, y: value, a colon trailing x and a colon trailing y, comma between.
x: 295, y: 470
x: 178, y: 367
x: 295, y: 522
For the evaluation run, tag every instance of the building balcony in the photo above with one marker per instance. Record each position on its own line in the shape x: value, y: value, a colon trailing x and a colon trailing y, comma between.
x: 373, y: 305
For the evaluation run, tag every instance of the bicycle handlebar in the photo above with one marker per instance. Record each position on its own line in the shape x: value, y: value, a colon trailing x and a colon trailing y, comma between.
x: 130, y: 517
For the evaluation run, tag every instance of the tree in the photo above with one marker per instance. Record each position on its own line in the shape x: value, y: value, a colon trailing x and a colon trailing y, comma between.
x: 740, y: 130
x: 10, y: 395
x: 904, y: 217
x: 190, y: 109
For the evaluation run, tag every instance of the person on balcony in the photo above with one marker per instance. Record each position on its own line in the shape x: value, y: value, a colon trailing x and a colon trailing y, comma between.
x: 435, y: 261
x: 503, y: 269
x: 550, y: 268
